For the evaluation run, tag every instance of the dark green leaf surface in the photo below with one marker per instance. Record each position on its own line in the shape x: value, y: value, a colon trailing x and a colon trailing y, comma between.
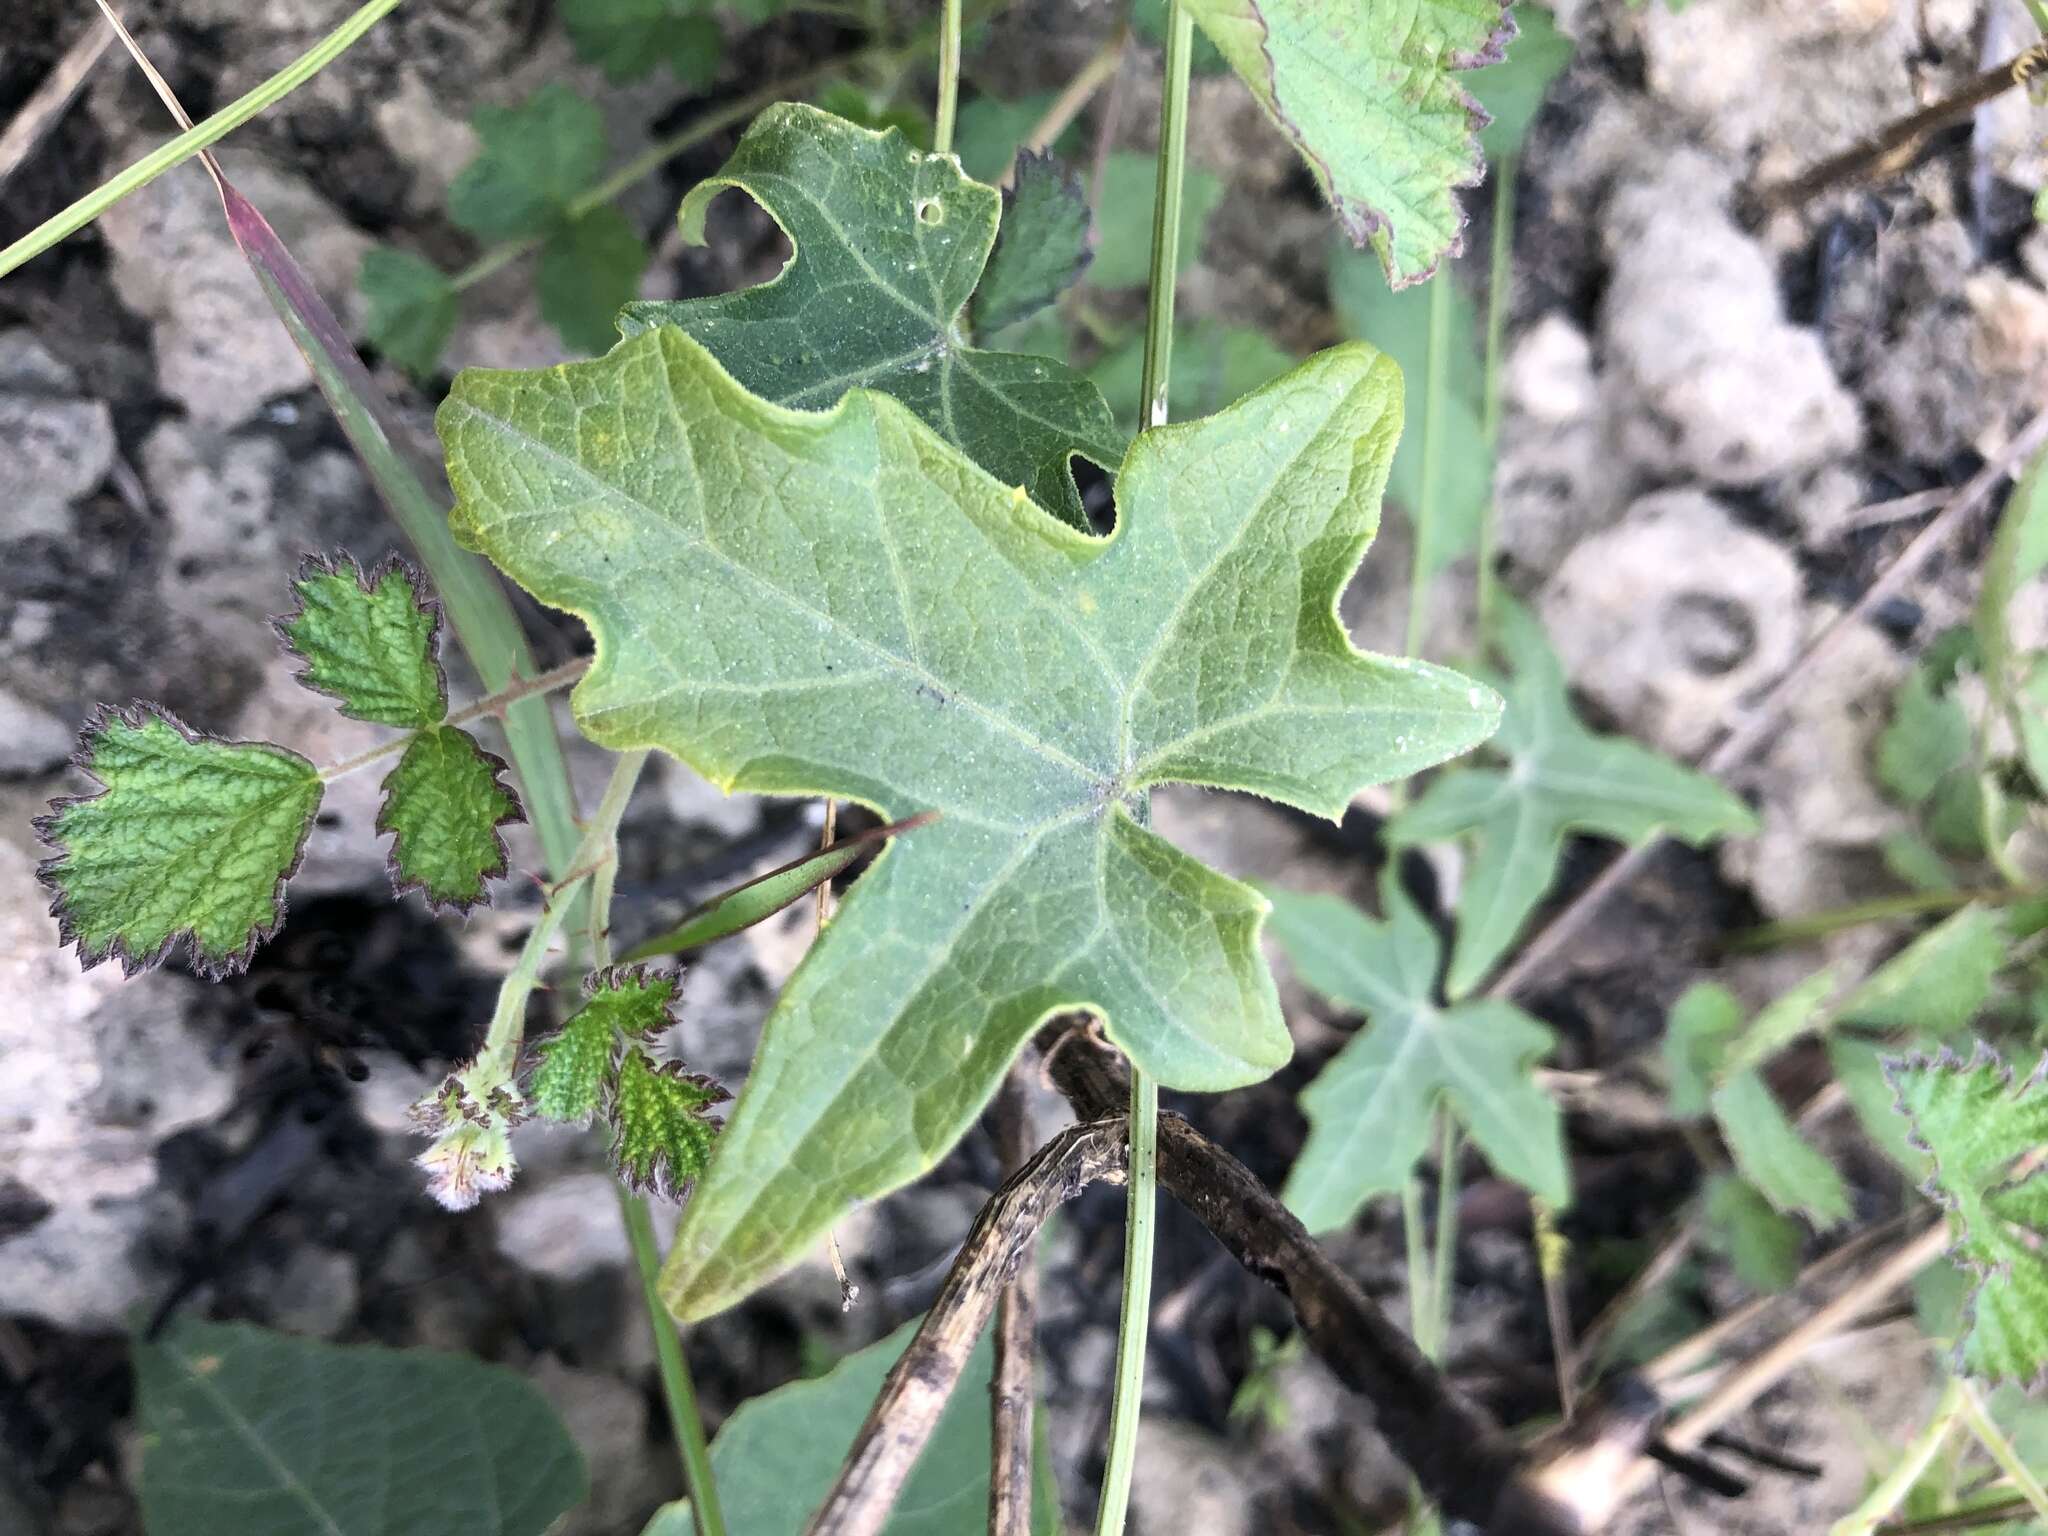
x: 1366, y: 92
x: 886, y: 257
x: 662, y: 1129
x: 1703, y: 1023
x: 536, y: 158
x: 627, y: 39
x: 1560, y: 778
x: 575, y: 1062
x: 443, y: 804
x: 368, y: 641
x: 1977, y: 1122
x: 188, y: 838
x: 247, y: 1431
x: 1042, y: 248
x: 964, y: 652
x: 1762, y: 1246
x: 1370, y: 1110
x: 412, y: 308
x: 589, y: 270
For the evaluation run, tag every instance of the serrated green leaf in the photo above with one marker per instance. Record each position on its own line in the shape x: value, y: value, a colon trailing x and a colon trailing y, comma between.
x: 1398, y: 322
x: 1123, y: 217
x: 1778, y: 1023
x: 413, y: 308
x: 1367, y: 93
x: 1936, y: 984
x: 1762, y: 1246
x: 1370, y: 1110
x: 188, y: 838
x: 662, y: 1130
x: 1213, y: 364
x: 368, y: 641
x: 1560, y: 778
x: 1702, y: 1024
x: 1773, y: 1156
x: 886, y: 257
x: 628, y: 38
x: 1976, y: 1123
x: 589, y: 270
x: 1512, y: 91
x: 1858, y: 1065
x: 1042, y: 248
x: 1927, y: 739
x: 246, y: 1430
x: 536, y: 158
x: 964, y: 652
x: 573, y: 1064
x: 443, y: 804
x: 775, y: 1458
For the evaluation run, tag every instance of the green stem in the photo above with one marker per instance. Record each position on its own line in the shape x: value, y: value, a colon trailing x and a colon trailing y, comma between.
x: 1142, y: 1193
x: 1135, y: 1314
x: 193, y: 140
x: 676, y: 1386
x: 949, y: 77
x: 490, y: 704
x: 1444, y: 1269
x: 1892, y: 1488
x: 1434, y: 377
x: 2038, y: 9
x: 1497, y: 292
x: 1800, y: 930
x: 1992, y: 1438
x: 1415, y: 1246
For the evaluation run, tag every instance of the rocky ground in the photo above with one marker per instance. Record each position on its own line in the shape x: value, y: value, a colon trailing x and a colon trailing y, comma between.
x: 1699, y: 416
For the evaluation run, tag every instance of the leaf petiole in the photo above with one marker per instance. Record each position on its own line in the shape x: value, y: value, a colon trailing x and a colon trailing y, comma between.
x: 491, y: 704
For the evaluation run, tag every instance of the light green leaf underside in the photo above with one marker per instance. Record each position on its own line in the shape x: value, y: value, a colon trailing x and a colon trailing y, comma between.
x: 245, y: 1430
x: 1370, y: 1109
x: 368, y: 642
x: 840, y: 604
x: 575, y: 1061
x: 775, y: 1458
x: 443, y: 804
x: 1560, y: 778
x: 889, y: 244
x: 1976, y: 1123
x: 1366, y: 92
x: 190, y: 838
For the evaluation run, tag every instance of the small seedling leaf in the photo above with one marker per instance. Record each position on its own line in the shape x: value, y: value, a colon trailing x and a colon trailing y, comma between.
x: 1762, y: 1246
x: 1936, y: 984
x: 590, y: 269
x: 1779, y: 1022
x: 368, y: 641
x: 444, y: 803
x: 574, y: 1064
x: 1978, y: 1124
x: 628, y: 38
x: 247, y: 1430
x: 189, y: 838
x: 1370, y: 1109
x: 536, y: 159
x: 1560, y: 778
x: 886, y: 258
x: 1042, y: 247
x: 1367, y: 93
x: 662, y: 1129
x: 1773, y: 1156
x: 965, y: 652
x: 1703, y: 1023
x: 413, y: 308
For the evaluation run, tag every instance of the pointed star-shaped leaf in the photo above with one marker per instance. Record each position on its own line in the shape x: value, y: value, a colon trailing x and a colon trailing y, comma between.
x: 1369, y: 1110
x: 842, y: 604
x: 368, y: 641
x: 1978, y: 1124
x: 443, y: 805
x: 889, y: 245
x: 573, y: 1065
x: 1560, y: 778
x: 1366, y: 91
x: 188, y: 838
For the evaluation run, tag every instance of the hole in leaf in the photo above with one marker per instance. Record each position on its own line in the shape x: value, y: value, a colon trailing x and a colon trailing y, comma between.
x: 1098, y: 493
x: 931, y: 211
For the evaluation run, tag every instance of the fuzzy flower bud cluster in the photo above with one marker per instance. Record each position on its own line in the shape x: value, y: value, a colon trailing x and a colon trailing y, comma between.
x: 470, y: 1116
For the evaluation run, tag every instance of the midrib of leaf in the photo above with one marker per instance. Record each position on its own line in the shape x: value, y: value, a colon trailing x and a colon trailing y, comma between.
x: 1503, y: 1120
x: 287, y: 1479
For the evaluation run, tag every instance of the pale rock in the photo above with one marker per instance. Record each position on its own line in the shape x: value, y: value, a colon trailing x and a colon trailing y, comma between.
x: 221, y: 351
x: 562, y: 1228
x: 607, y: 1418
x: 59, y: 446
x: 1715, y: 383
x: 433, y: 142
x: 2009, y: 340
x: 1668, y: 619
x: 315, y: 1294
x: 1821, y: 502
x: 697, y: 803
x: 1559, y: 475
x: 32, y: 740
x: 1188, y: 1480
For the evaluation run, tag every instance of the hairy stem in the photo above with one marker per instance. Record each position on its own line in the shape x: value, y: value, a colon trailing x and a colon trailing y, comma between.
x: 1166, y: 200
x: 491, y: 704
x: 1443, y: 1268
x: 949, y: 77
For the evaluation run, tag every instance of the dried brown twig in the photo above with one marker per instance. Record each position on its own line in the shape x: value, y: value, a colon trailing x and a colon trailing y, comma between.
x: 1011, y: 1398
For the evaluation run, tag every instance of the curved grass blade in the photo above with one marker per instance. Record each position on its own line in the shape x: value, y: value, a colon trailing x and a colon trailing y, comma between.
x: 760, y: 899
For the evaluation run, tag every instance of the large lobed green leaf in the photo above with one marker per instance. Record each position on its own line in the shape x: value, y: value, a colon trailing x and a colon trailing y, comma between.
x: 889, y: 245
x: 188, y: 837
x: 1560, y: 778
x: 1369, y: 1111
x: 841, y: 604
x: 1978, y: 1124
x: 249, y: 1431
x: 1366, y: 92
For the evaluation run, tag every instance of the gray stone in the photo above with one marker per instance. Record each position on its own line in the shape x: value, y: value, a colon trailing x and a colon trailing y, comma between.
x: 32, y: 740
x: 564, y: 1227
x: 315, y: 1293
x: 607, y: 1418
x: 59, y: 447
